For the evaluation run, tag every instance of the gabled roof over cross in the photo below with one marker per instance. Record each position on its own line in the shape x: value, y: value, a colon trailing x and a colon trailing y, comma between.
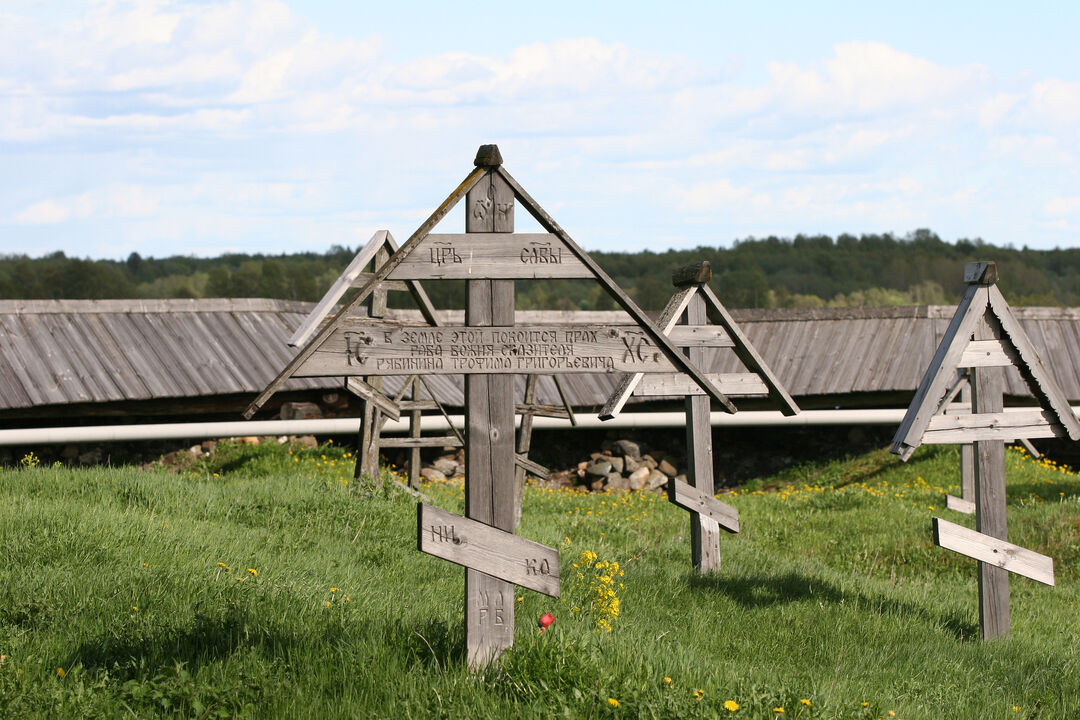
x: 983, y: 302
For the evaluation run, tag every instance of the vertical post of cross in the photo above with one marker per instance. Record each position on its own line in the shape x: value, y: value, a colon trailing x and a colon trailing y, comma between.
x: 987, y: 390
x: 967, y: 450
x: 367, y: 461
x: 489, y: 426
x: 704, y: 531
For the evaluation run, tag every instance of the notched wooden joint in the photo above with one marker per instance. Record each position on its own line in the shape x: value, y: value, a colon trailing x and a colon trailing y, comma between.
x: 983, y: 272
x: 695, y: 274
x: 488, y: 156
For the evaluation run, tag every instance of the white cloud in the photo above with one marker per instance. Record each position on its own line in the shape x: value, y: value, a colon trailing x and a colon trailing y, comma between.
x: 1058, y: 206
x: 45, y: 212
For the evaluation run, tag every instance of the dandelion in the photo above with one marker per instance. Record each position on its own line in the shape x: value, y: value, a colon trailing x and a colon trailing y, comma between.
x: 333, y: 590
x: 60, y: 672
x: 135, y: 608
x: 731, y: 706
x: 778, y: 710
x: 221, y: 565
x: 613, y: 702
x: 866, y: 704
x: 667, y: 681
x: 240, y: 579
x: 1016, y: 708
x: 892, y: 713
x: 805, y: 701
x: 253, y: 571
x: 326, y: 603
x: 698, y: 694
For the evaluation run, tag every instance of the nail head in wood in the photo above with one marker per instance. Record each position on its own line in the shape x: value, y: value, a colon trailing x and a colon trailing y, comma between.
x: 983, y: 272
x: 695, y: 274
x: 488, y: 156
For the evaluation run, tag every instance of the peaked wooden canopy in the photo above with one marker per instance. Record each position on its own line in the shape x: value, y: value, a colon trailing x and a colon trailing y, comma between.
x: 983, y: 302
x: 419, y: 253
x: 692, y: 282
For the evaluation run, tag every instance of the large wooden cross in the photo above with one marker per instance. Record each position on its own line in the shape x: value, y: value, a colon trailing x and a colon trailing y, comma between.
x: 489, y: 350
x: 986, y: 337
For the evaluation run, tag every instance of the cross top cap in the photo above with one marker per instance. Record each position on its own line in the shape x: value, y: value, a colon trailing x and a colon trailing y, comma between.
x: 488, y: 156
x: 983, y: 272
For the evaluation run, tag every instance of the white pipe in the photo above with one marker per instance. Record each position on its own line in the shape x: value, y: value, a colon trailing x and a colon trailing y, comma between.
x: 349, y: 426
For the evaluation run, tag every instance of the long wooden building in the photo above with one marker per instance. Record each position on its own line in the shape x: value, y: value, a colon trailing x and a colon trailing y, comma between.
x: 69, y: 361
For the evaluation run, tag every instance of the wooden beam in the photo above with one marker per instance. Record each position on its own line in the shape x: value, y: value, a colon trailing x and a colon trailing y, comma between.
x: 338, y: 289
x: 987, y: 397
x: 993, y: 552
x: 419, y: 442
x: 487, y: 255
x: 731, y: 384
x: 565, y: 400
x: 988, y: 353
x: 1006, y: 425
x: 689, y: 498
x: 960, y: 505
x: 704, y: 530
x: 531, y: 466
x: 488, y: 550
x: 365, y: 391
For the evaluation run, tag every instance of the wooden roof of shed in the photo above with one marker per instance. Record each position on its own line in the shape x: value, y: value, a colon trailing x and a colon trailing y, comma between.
x: 60, y: 352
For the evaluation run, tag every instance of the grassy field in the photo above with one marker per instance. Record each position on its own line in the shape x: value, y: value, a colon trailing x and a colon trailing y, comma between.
x: 266, y: 583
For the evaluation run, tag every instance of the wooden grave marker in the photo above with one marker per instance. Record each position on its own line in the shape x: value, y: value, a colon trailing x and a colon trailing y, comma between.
x: 695, y: 305
x: 985, y: 336
x: 490, y: 256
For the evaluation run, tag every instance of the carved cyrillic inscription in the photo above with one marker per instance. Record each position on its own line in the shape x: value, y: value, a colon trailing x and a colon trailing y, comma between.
x: 491, y: 607
x: 444, y: 533
x: 494, y: 255
x: 447, y: 350
x: 537, y: 567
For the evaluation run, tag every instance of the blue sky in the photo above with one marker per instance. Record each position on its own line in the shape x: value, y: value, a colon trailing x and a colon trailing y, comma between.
x: 255, y: 126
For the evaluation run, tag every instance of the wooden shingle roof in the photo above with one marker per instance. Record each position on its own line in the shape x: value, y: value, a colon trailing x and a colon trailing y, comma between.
x: 60, y: 352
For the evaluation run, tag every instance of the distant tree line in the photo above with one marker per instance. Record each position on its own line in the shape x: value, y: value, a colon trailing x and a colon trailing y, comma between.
x: 804, y: 271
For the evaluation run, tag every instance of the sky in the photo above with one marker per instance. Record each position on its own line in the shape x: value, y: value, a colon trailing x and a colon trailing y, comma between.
x: 259, y: 126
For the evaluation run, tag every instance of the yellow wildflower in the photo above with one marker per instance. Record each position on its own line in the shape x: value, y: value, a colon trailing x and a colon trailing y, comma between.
x: 698, y: 694
x: 613, y: 702
x: 253, y: 572
x: 667, y: 681
x: 134, y: 607
x: 866, y: 704
x: 333, y: 590
x: 731, y: 705
x: 778, y: 710
x: 223, y: 565
x: 892, y: 713
x: 327, y: 603
x: 60, y: 672
x: 805, y: 701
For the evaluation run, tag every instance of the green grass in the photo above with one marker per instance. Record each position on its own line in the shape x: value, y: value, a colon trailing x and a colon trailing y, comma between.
x: 832, y: 594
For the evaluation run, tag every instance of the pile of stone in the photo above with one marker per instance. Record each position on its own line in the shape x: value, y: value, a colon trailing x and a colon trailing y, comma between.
x: 622, y: 466
x: 448, y: 466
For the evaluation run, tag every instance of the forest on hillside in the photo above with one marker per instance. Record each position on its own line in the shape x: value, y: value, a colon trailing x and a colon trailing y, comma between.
x: 804, y: 271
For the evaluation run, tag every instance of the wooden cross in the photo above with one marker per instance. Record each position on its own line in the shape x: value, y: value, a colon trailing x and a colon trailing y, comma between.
x: 695, y: 305
x: 986, y: 337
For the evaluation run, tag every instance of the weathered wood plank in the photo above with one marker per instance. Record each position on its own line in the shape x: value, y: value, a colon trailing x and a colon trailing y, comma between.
x: 1006, y: 425
x: 551, y: 411
x: 731, y: 384
x: 712, y: 336
x: 940, y: 372
x: 540, y: 349
x: 994, y: 552
x: 531, y: 466
x: 565, y: 400
x: 365, y: 391
x: 419, y: 442
x: 704, y: 530
x: 960, y: 505
x: 381, y: 274
x: 987, y: 397
x: 338, y: 289
x: 489, y: 437
x: 688, y: 498
x: 489, y: 255
x: 489, y: 550
x: 364, y: 278
x: 988, y: 353
x: 524, y: 442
